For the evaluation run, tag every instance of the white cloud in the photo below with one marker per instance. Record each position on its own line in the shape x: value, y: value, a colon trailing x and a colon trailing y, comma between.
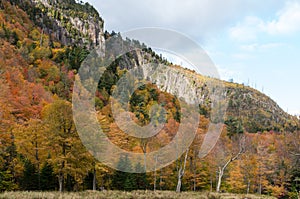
x: 287, y: 22
x: 197, y: 18
x: 261, y: 47
x: 246, y: 31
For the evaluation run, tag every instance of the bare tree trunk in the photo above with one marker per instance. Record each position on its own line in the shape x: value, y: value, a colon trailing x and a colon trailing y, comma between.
x: 155, y: 173
x: 94, y: 180
x: 60, y: 182
x: 181, y: 172
x: 222, y: 169
x: 145, y: 162
x: 178, y: 188
x: 248, y: 187
x: 143, y: 145
x: 220, y: 176
x: 160, y: 179
x: 61, y: 174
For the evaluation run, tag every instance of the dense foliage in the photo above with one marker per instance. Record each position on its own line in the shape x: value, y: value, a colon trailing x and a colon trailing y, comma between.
x: 41, y: 150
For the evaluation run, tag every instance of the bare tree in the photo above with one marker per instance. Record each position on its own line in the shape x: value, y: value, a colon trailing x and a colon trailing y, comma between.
x: 181, y: 170
x: 144, y: 144
x: 155, y: 174
x: 232, y: 158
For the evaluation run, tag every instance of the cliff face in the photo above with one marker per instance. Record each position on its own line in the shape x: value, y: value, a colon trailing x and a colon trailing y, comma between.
x: 256, y: 111
x: 69, y: 22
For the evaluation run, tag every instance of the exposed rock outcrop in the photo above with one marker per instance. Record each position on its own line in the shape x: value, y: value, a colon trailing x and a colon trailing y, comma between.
x: 70, y: 22
x: 254, y: 109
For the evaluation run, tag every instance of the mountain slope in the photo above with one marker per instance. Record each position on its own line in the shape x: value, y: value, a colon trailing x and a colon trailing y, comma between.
x: 81, y: 25
x: 40, y: 55
x: 254, y: 110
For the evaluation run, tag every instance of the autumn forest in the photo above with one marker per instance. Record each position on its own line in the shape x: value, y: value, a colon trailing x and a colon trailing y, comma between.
x: 258, y: 151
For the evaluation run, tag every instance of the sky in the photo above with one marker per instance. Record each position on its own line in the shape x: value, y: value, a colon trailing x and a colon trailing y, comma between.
x: 251, y: 41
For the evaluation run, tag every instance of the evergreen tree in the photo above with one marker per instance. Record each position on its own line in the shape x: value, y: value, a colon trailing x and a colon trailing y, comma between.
x: 6, y: 183
x: 122, y: 180
x: 48, y: 179
x: 29, y: 181
x: 10, y: 157
x: 119, y: 176
x: 141, y: 178
x: 130, y: 182
x: 88, y: 181
x: 234, y: 127
x: 70, y: 183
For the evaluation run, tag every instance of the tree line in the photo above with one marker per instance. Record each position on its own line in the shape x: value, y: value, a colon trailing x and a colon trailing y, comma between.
x: 41, y: 150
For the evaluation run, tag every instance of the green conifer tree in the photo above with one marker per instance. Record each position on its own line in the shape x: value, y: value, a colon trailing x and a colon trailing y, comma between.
x: 48, y: 179
x: 29, y: 181
x: 141, y: 178
x: 122, y: 180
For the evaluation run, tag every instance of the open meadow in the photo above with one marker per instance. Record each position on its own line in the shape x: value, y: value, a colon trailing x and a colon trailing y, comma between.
x: 126, y: 195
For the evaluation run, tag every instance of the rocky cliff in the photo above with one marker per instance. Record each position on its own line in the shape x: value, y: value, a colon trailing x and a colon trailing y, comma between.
x: 69, y: 22
x: 256, y: 111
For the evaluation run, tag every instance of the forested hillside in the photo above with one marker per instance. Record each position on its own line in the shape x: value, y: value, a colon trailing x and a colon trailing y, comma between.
x: 41, y: 51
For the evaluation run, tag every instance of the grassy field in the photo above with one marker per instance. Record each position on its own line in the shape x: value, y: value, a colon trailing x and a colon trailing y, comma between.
x: 125, y: 195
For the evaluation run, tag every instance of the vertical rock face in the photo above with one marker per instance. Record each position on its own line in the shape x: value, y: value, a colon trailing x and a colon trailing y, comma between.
x: 70, y: 22
x: 257, y: 111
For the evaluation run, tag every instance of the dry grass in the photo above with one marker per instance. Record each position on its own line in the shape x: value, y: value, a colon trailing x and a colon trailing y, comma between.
x: 125, y: 195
